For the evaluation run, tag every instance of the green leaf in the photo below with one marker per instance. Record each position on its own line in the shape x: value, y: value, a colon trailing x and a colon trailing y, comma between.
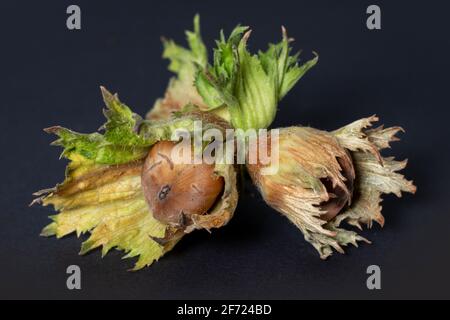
x: 120, y: 142
x: 94, y: 147
x: 250, y: 85
x: 122, y: 124
x: 198, y: 48
x: 183, y: 61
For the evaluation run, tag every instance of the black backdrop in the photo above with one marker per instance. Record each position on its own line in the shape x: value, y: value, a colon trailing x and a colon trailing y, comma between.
x: 50, y: 75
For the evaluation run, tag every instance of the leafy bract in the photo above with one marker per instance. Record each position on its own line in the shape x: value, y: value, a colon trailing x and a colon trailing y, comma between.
x: 184, y: 63
x: 307, y: 156
x: 102, y: 192
x: 375, y: 175
x: 107, y: 201
x: 249, y: 85
x: 120, y: 142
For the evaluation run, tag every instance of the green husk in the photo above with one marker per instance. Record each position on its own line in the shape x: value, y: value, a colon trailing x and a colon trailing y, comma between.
x: 102, y: 192
x: 238, y: 86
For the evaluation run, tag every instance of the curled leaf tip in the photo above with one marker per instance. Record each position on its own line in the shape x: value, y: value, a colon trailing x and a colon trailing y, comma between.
x: 107, y: 96
x: 35, y: 201
x: 284, y: 35
x: 53, y: 129
x: 246, y: 36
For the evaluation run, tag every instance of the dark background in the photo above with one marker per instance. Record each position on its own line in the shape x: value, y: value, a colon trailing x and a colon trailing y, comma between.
x: 50, y: 75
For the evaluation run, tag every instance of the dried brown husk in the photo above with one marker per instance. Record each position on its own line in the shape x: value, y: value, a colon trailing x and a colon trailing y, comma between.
x: 307, y: 155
